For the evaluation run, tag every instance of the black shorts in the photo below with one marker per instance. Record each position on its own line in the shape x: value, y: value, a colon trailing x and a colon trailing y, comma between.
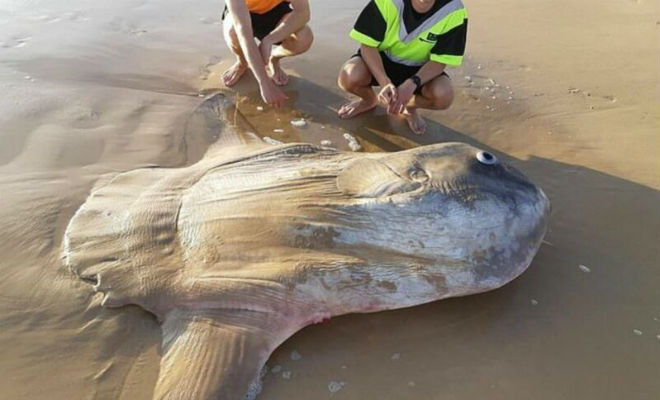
x: 398, y: 73
x: 263, y: 24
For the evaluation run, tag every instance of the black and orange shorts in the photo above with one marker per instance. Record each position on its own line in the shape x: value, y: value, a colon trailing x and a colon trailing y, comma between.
x: 263, y: 24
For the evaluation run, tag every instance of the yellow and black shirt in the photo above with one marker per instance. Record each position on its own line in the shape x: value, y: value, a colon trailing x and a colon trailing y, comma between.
x: 411, y: 38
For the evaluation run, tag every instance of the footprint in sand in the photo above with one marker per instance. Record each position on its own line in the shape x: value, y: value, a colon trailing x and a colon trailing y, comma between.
x: 121, y: 26
x: 577, y: 91
x: 480, y: 87
x: 76, y: 16
x: 47, y: 19
x: 15, y: 42
x: 210, y: 21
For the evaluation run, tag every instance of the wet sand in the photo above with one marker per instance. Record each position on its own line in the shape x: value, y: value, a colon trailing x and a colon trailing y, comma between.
x: 566, y: 92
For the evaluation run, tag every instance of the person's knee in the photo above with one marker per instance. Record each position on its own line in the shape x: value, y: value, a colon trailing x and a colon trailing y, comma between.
x: 305, y: 38
x: 300, y: 41
x: 344, y: 78
x: 442, y: 96
x: 349, y: 76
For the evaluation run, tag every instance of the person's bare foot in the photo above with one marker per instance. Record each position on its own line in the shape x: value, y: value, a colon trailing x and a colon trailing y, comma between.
x: 415, y: 121
x: 356, y: 107
x: 279, y: 77
x: 234, y: 73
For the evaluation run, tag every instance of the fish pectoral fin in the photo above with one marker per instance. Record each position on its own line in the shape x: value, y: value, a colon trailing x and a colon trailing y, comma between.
x: 216, y: 354
x: 371, y: 178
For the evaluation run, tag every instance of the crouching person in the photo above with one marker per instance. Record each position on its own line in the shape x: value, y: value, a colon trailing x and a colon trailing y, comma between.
x: 281, y: 29
x: 405, y: 46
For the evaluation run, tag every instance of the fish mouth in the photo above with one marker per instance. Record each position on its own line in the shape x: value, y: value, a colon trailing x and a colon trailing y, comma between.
x: 504, y: 265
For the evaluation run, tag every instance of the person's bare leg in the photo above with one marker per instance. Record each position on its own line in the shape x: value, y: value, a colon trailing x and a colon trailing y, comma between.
x: 355, y: 78
x: 437, y: 94
x: 295, y: 44
x: 234, y: 73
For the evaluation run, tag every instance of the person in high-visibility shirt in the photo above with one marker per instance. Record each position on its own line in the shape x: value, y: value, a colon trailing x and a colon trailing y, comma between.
x: 405, y: 46
x: 282, y: 31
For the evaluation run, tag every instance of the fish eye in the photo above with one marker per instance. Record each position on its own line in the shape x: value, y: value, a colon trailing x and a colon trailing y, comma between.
x: 419, y: 175
x: 486, y: 158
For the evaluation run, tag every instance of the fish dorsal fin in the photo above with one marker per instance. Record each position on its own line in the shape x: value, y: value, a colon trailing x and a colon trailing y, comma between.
x: 371, y: 178
x: 217, y: 354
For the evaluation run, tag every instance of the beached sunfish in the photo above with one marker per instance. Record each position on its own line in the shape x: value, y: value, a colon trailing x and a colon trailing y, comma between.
x: 237, y: 252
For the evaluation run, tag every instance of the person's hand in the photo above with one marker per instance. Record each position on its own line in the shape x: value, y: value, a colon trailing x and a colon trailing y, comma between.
x: 405, y: 92
x: 387, y: 94
x: 271, y: 94
x: 265, y: 49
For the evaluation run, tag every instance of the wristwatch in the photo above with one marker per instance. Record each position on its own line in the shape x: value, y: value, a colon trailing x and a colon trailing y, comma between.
x: 416, y: 80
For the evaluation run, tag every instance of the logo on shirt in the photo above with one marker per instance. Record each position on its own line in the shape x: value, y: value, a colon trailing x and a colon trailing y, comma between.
x: 430, y: 38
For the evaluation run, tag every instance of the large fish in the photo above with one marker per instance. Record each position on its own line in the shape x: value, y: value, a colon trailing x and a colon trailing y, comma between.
x: 237, y: 252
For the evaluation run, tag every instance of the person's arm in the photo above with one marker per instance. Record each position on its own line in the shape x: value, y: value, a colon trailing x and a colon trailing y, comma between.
x: 371, y: 57
x: 406, y: 90
x: 243, y: 26
x: 293, y: 22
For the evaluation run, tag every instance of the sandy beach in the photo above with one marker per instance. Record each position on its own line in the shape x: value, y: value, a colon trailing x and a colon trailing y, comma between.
x: 567, y: 92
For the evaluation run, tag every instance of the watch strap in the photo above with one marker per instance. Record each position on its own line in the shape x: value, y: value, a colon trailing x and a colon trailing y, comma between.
x: 416, y: 80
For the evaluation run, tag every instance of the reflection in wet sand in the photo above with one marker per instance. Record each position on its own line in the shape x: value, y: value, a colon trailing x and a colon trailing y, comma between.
x: 92, y: 89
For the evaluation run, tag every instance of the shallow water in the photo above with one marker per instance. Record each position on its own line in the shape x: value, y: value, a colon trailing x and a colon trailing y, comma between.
x: 95, y: 89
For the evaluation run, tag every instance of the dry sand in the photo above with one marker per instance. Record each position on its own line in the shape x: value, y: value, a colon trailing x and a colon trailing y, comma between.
x: 567, y: 91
